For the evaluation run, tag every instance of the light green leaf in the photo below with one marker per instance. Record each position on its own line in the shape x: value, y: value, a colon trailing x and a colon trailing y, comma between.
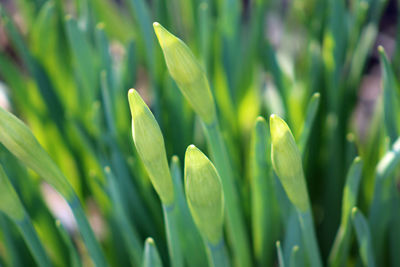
x: 19, y: 140
x: 363, y: 237
x: 151, y: 258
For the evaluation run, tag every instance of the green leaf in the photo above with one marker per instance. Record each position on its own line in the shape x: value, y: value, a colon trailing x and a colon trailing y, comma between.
x: 73, y: 253
x: 151, y: 258
x: 84, y: 61
x: 19, y: 140
x: 263, y: 196
x: 341, y: 246
x: 117, y: 24
x: 281, y: 261
x: 333, y: 51
x: 390, y: 97
x: 171, y: 226
x: 129, y: 233
x: 10, y: 203
x: 311, y: 113
x: 44, y: 84
x: 293, y: 234
x: 192, y: 245
x: 380, y: 208
x: 363, y: 237
x: 141, y: 11
x: 294, y: 257
x: 360, y: 56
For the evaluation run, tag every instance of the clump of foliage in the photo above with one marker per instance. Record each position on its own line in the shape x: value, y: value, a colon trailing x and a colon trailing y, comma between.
x: 236, y: 148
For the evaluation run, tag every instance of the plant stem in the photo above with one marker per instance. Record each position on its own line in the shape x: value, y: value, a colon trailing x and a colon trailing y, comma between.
x: 379, y: 214
x: 342, y: 243
x: 171, y: 224
x: 235, y: 223
x: 309, y: 237
x: 264, y: 207
x: 33, y: 242
x: 86, y: 231
x: 217, y: 254
x: 364, y: 239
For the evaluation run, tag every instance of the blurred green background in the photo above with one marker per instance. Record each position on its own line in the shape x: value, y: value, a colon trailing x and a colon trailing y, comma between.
x: 66, y: 67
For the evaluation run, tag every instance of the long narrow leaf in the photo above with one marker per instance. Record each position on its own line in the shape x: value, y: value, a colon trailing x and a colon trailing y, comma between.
x: 390, y: 97
x: 341, y: 246
x: 364, y: 238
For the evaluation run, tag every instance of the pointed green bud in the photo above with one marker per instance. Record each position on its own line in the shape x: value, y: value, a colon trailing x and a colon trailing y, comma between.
x: 187, y: 73
x: 204, y: 194
x: 149, y: 144
x: 19, y: 140
x: 10, y: 203
x: 286, y: 160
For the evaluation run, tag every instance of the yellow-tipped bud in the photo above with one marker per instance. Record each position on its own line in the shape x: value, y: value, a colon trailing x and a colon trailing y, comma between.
x: 286, y: 160
x: 9, y: 200
x: 204, y: 194
x: 187, y: 73
x: 19, y: 140
x: 149, y: 144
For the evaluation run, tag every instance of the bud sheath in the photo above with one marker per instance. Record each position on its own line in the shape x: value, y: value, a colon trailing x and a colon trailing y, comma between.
x: 204, y: 194
x: 187, y: 73
x: 286, y: 160
x: 9, y: 201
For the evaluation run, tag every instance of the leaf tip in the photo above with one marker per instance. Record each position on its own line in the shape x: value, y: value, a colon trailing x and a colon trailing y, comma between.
x: 131, y: 91
x: 163, y: 36
x: 175, y: 159
x: 260, y: 119
x: 134, y: 100
x: 381, y: 50
x: 354, y: 211
x: 316, y: 95
x: 278, y: 127
x: 107, y: 169
x: 100, y: 25
x: 149, y: 241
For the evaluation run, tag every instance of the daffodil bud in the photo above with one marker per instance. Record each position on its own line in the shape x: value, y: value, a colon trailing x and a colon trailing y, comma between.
x: 204, y: 194
x: 149, y: 144
x: 9, y: 200
x: 187, y: 73
x: 286, y: 160
x: 19, y: 140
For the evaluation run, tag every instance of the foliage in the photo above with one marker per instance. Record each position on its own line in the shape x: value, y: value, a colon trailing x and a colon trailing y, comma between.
x: 312, y: 188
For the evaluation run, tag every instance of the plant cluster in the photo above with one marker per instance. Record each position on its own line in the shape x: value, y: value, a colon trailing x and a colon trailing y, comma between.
x: 185, y: 170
